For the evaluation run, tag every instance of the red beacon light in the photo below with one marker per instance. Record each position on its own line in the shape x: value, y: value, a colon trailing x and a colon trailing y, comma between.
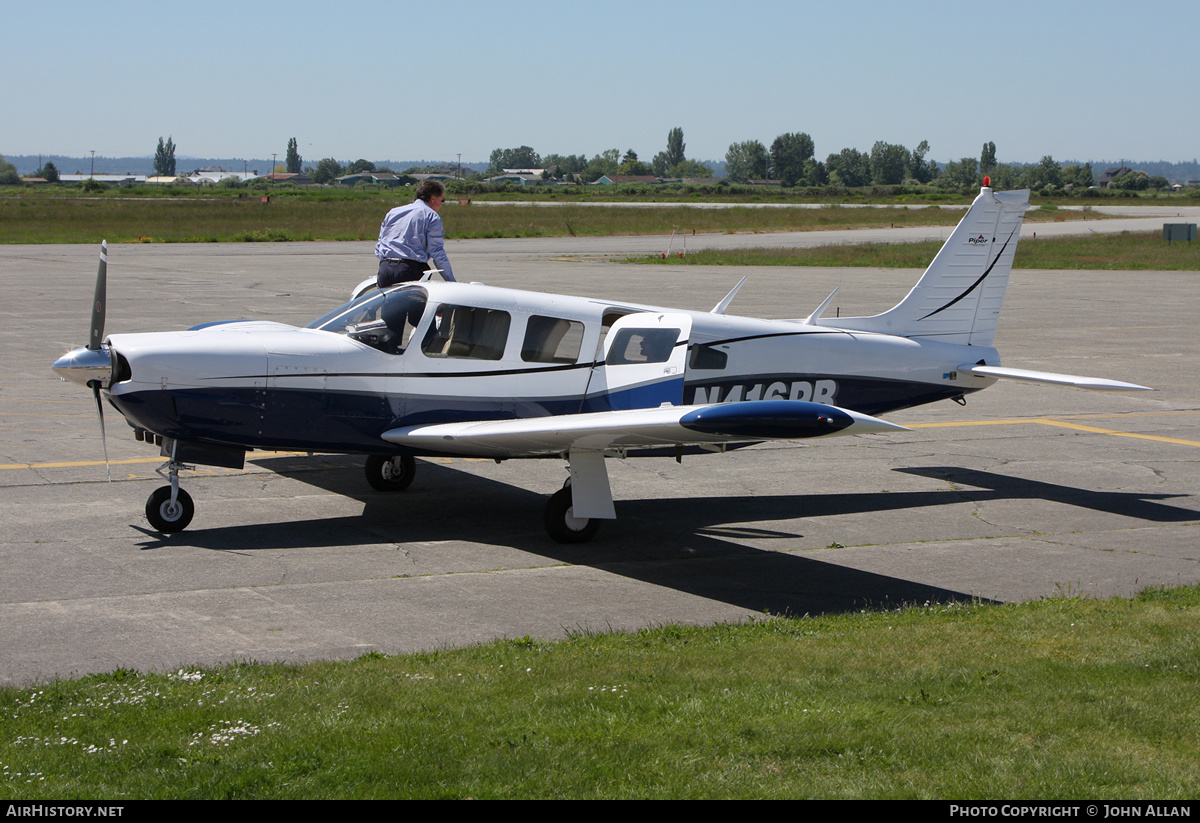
x: 987, y: 182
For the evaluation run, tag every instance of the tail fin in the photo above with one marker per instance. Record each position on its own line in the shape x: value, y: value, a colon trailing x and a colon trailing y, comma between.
x: 959, y: 297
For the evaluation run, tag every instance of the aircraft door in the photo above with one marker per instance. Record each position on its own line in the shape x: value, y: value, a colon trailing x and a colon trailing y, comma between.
x: 644, y: 361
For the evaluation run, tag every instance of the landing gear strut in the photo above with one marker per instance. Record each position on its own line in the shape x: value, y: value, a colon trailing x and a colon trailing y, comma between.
x: 170, y: 509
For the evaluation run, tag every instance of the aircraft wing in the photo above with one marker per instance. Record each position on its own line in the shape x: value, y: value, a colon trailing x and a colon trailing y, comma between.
x: 639, y: 428
x: 1094, y: 383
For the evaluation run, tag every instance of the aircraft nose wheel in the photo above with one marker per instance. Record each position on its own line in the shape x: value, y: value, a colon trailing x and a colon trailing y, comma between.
x: 168, y: 517
x: 386, y: 473
x: 561, y: 522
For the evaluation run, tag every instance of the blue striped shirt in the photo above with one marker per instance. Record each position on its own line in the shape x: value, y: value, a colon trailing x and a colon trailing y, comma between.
x: 414, y: 232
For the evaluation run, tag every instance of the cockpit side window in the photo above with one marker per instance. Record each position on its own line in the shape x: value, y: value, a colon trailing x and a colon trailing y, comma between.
x: 551, y: 340
x: 469, y: 332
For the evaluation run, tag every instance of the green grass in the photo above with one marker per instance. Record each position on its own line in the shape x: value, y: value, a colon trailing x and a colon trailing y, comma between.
x: 351, y: 215
x: 1062, y: 698
x: 1121, y: 252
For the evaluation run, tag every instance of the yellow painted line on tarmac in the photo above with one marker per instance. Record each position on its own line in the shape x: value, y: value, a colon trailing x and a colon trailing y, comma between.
x: 126, y: 462
x: 78, y: 463
x: 1094, y: 430
x: 1062, y: 423
x: 1043, y: 421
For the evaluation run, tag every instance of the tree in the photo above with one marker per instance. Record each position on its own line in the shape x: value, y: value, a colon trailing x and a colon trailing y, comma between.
x: 294, y: 162
x: 675, y: 147
x: 889, y: 162
x: 631, y: 165
x: 8, y: 173
x: 328, y: 169
x: 987, y: 158
x: 688, y: 168
x: 1131, y: 181
x: 918, y: 169
x: 1050, y: 173
x: 519, y: 158
x: 747, y: 161
x: 49, y: 173
x: 849, y: 167
x: 569, y: 165
x: 789, y: 153
x: 360, y: 165
x: 963, y: 174
x: 603, y: 163
x: 164, y: 158
x: 815, y: 173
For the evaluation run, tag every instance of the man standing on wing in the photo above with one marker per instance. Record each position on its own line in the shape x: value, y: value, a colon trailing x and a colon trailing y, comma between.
x: 411, y: 238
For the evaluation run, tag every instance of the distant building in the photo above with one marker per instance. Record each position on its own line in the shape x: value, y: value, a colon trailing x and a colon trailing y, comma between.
x: 216, y: 174
x: 521, y: 178
x: 103, y: 178
x: 300, y: 179
x: 613, y: 179
x: 1112, y: 174
x: 386, y: 178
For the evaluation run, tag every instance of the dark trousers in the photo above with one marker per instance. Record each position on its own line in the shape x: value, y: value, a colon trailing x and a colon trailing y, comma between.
x: 393, y: 270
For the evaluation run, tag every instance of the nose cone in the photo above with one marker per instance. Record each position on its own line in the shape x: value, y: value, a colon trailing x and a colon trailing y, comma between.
x: 83, y: 365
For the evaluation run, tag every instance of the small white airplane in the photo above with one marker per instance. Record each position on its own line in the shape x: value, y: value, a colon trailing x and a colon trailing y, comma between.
x: 437, y: 368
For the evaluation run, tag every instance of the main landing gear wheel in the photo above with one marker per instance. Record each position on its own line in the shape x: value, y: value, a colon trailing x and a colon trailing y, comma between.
x: 390, y: 474
x: 164, y: 516
x: 561, y: 522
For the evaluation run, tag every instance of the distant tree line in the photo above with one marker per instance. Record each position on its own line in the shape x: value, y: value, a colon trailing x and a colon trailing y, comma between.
x: 790, y: 161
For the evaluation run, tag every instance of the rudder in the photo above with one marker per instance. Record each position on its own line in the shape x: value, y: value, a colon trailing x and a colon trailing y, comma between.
x: 959, y: 297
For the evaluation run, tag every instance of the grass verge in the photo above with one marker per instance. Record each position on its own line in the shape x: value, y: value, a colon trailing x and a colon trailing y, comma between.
x: 192, y: 220
x: 1062, y: 698
x: 1124, y: 251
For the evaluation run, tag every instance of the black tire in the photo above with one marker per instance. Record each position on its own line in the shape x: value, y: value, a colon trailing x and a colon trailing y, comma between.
x: 562, y: 525
x: 163, y: 517
x: 386, y: 473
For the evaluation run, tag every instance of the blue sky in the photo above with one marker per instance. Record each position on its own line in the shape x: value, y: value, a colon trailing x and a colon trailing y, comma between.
x: 399, y: 80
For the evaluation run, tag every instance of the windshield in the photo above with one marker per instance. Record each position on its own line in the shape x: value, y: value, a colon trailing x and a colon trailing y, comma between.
x: 367, y: 308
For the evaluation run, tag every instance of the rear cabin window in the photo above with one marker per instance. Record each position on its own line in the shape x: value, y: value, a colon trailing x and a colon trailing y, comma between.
x: 551, y: 340
x: 706, y: 357
x: 642, y: 346
x: 468, y: 332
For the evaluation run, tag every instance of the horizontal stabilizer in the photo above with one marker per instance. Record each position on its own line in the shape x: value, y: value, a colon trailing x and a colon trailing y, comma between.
x: 639, y: 428
x: 1093, y: 383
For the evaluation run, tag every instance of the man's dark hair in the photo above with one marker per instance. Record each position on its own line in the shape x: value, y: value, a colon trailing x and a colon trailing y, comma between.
x: 429, y: 189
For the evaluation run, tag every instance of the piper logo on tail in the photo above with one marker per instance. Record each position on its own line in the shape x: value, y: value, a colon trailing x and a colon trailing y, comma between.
x: 975, y: 241
x: 819, y: 391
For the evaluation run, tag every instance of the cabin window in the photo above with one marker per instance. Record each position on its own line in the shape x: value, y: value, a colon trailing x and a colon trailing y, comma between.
x: 467, y: 331
x: 642, y: 346
x: 706, y: 357
x: 551, y: 340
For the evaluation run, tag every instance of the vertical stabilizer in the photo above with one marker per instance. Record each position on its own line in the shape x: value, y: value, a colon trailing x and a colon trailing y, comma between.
x: 958, y: 299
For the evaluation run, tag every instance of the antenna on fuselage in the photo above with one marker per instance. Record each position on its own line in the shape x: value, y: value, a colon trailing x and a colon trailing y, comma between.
x: 812, y: 319
x: 725, y: 301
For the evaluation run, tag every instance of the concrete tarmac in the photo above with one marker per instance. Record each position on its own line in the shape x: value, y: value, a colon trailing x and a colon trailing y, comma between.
x: 1029, y: 491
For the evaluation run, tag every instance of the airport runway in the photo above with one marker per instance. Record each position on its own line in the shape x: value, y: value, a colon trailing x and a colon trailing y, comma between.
x: 1028, y: 491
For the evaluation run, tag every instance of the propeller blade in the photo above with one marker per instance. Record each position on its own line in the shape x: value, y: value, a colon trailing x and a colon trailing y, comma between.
x: 95, y: 384
x: 99, y: 301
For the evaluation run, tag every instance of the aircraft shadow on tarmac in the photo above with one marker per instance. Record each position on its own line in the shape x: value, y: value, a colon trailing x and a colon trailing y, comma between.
x: 652, y: 538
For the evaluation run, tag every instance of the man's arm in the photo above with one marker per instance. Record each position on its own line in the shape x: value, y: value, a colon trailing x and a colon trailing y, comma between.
x: 437, y: 249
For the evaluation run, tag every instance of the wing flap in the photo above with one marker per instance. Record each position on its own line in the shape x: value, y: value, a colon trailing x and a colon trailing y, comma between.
x: 1093, y: 383
x: 639, y: 428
